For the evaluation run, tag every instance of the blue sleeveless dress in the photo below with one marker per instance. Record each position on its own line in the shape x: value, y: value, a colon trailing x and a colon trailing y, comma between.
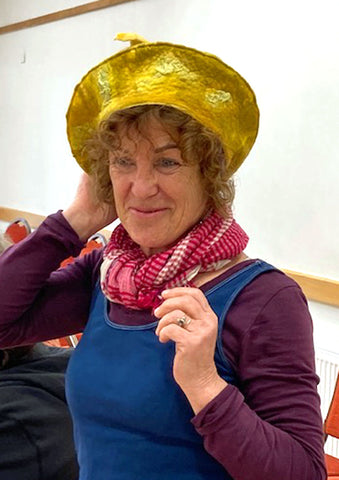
x: 131, y: 419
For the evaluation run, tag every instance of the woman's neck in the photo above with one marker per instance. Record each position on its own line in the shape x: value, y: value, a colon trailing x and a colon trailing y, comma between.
x: 205, y: 277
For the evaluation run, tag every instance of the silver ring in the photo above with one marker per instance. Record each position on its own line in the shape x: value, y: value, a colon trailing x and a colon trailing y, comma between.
x: 183, y: 321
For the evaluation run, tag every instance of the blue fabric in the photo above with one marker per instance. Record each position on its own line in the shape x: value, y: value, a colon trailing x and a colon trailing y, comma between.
x: 131, y: 420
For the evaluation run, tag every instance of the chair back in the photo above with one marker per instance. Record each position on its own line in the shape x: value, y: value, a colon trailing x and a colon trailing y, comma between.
x: 331, y: 424
x: 98, y: 240
x: 331, y: 428
x: 17, y: 230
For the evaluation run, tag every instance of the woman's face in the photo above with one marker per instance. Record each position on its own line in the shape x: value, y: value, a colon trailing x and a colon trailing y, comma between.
x: 157, y: 196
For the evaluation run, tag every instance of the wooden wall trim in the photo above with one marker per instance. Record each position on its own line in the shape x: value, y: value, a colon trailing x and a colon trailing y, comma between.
x: 60, y: 15
x: 10, y: 214
x: 318, y: 289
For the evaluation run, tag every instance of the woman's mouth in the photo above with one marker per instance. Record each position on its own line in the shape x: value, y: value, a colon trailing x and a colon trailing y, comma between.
x: 147, y: 213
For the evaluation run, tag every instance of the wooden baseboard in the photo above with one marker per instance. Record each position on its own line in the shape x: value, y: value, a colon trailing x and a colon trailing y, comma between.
x: 318, y: 289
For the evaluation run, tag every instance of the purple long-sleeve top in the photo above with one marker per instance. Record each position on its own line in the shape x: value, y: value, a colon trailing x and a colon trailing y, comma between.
x: 269, y: 427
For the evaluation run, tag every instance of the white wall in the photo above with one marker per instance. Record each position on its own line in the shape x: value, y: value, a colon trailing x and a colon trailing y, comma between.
x: 13, y: 11
x: 288, y: 191
x: 326, y: 326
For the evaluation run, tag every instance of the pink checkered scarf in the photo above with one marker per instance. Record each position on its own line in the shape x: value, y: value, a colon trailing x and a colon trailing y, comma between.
x: 136, y: 281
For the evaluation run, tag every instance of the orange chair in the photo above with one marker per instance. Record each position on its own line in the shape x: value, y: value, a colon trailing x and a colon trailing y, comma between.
x: 95, y: 241
x: 331, y: 427
x: 17, y: 230
x: 64, y: 342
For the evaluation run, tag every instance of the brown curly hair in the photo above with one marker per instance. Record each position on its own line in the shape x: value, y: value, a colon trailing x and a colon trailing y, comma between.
x: 196, y: 143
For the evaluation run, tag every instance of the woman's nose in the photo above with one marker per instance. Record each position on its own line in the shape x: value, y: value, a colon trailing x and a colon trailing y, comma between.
x: 144, y: 183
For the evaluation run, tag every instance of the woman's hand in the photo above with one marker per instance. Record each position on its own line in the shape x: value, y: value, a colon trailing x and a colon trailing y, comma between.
x: 193, y: 369
x: 86, y: 214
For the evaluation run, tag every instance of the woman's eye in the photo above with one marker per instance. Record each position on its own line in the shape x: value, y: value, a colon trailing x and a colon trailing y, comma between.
x: 122, y: 163
x: 167, y: 164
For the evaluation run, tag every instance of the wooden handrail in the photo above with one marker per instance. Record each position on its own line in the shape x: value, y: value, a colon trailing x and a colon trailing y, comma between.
x: 60, y: 15
x: 319, y: 289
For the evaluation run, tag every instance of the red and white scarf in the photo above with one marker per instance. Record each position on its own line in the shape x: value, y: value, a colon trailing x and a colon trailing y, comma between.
x: 136, y: 281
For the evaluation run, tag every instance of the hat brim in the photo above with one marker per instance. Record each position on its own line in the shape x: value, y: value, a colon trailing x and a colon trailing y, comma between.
x: 197, y: 83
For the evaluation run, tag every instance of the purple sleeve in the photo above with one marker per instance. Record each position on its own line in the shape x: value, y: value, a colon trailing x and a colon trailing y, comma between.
x: 271, y: 427
x: 38, y: 301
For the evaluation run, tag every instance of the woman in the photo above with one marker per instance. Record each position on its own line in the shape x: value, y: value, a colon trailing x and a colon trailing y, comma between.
x: 195, y: 362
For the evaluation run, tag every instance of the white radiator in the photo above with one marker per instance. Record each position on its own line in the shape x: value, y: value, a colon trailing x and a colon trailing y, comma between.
x: 327, y: 366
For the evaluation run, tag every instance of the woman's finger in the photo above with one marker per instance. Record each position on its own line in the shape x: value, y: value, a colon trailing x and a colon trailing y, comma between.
x: 177, y: 318
x: 195, y: 293
x: 173, y: 332
x: 186, y: 303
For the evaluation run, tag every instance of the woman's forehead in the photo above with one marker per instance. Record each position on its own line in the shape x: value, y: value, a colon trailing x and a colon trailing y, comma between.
x: 151, y: 131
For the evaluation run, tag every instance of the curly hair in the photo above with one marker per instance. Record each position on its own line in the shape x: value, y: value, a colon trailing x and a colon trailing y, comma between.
x: 196, y: 143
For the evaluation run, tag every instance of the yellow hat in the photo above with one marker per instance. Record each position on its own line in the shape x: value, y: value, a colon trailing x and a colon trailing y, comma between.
x: 197, y: 83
